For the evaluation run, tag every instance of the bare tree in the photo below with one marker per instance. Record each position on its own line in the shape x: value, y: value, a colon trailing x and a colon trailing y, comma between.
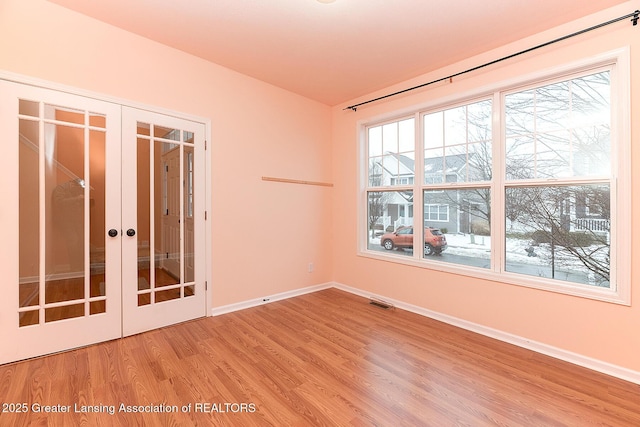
x: 377, y: 200
x: 539, y: 146
x: 547, y: 211
x: 377, y: 206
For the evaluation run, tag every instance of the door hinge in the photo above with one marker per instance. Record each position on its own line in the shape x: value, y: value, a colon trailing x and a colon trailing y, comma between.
x: 206, y: 285
x: 205, y: 215
x: 167, y: 255
x: 205, y: 144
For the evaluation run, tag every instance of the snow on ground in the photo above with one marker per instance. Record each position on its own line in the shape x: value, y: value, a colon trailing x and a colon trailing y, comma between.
x: 516, y: 249
x: 521, y: 257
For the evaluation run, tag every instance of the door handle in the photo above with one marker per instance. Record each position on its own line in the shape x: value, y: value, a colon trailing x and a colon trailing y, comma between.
x: 131, y: 232
x: 113, y: 232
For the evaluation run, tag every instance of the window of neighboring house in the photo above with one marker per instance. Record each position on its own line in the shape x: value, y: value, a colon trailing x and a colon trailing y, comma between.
x: 402, y: 181
x: 593, y: 207
x: 436, y: 213
x: 429, y: 179
x: 526, y: 196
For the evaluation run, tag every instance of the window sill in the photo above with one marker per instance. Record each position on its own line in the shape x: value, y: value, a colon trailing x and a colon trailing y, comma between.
x: 556, y: 286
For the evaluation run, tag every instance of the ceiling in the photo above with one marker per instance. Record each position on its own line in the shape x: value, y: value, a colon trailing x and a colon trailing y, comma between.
x: 335, y: 52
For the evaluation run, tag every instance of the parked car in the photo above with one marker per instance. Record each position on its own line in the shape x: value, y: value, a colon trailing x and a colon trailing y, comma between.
x: 434, y: 241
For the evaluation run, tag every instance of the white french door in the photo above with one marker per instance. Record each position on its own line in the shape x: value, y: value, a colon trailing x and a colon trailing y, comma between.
x: 163, y: 274
x: 85, y: 255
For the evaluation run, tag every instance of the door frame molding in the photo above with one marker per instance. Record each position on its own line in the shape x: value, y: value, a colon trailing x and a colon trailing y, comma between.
x: 45, y: 84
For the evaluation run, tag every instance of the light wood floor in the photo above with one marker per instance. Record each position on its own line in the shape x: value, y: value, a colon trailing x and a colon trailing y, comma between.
x: 327, y: 358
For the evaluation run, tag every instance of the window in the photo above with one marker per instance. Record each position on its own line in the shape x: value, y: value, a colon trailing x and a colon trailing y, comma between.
x: 526, y: 196
x: 391, y: 153
x: 560, y: 131
x: 438, y: 213
x: 457, y: 153
x: 457, y: 144
x: 391, y: 158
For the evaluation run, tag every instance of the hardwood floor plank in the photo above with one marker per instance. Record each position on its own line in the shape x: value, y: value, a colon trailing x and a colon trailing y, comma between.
x: 326, y: 358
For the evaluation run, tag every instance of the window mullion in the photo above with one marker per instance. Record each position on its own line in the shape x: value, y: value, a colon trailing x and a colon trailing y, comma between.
x: 418, y: 183
x: 498, y: 221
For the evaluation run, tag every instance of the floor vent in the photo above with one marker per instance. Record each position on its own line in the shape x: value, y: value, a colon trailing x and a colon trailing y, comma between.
x: 380, y: 303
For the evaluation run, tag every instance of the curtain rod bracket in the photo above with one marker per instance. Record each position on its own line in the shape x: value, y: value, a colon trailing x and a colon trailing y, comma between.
x: 636, y: 16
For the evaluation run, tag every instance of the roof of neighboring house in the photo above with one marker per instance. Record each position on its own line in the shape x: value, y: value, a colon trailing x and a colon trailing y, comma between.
x: 401, y: 165
x: 398, y: 164
x: 448, y: 164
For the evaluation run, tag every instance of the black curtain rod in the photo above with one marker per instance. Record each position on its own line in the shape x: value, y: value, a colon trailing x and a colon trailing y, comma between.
x: 634, y: 19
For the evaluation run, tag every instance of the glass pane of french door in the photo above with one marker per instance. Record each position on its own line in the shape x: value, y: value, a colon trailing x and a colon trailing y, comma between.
x: 60, y: 198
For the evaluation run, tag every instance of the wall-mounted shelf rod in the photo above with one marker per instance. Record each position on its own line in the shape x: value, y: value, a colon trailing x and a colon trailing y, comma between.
x: 296, y: 181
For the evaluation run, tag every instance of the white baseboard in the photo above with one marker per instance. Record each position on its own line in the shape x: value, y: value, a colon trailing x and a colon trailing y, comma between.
x: 216, y: 311
x: 558, y: 353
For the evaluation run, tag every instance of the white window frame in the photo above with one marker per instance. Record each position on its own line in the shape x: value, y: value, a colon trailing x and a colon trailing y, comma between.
x: 618, y: 62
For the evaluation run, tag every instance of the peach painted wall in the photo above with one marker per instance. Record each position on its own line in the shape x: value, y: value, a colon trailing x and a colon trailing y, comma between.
x: 599, y: 330
x: 264, y: 234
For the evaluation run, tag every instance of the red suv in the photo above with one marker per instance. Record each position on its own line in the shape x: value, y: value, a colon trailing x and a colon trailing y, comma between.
x: 434, y: 240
